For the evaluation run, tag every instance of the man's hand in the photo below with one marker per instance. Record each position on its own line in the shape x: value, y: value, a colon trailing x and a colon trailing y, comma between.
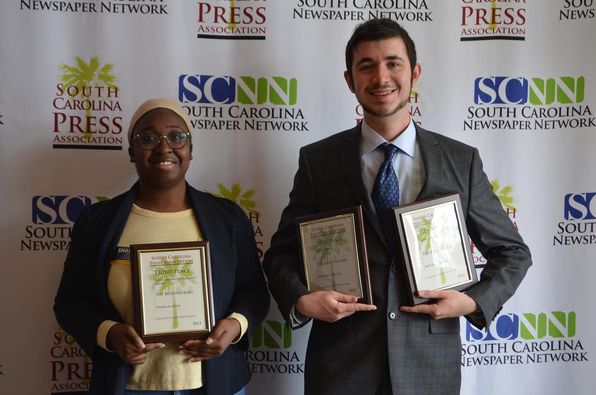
x: 445, y: 304
x: 123, y: 339
x: 330, y: 306
x: 222, y: 335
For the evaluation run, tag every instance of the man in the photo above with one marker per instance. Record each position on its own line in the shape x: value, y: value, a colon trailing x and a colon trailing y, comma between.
x: 383, y: 348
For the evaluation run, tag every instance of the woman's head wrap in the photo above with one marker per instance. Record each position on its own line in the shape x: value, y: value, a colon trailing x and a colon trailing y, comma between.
x: 152, y: 104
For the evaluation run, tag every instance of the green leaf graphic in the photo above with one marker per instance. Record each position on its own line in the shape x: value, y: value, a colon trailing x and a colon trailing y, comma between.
x: 235, y: 194
x: 504, y: 194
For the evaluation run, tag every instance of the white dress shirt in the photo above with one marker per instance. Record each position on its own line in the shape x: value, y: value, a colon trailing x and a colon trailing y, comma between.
x: 407, y: 164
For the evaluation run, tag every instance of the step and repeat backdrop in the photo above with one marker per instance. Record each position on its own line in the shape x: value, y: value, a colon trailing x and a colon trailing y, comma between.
x: 261, y: 78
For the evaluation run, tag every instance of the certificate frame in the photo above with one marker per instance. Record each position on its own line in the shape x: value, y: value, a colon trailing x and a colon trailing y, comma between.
x: 339, y: 236
x: 435, y: 255
x: 160, y: 272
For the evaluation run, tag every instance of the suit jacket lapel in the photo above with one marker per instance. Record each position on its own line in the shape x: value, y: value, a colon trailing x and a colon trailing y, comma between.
x: 349, y: 151
x: 432, y: 156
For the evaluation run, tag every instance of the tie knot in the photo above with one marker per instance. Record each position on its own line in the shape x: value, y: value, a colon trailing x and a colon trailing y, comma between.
x: 390, y: 150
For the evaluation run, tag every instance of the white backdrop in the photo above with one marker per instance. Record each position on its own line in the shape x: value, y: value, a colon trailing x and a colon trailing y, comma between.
x: 261, y: 78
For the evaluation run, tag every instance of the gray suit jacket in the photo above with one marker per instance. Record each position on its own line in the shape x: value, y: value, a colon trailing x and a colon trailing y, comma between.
x: 420, y: 355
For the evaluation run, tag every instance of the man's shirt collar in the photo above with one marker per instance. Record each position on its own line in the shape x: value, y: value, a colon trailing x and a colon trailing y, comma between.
x: 406, y: 141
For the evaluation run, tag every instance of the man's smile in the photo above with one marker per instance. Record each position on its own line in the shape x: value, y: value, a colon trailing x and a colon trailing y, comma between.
x: 381, y: 92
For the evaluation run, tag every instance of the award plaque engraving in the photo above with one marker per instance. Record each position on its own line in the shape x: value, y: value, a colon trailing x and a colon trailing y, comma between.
x: 435, y: 246
x: 172, y: 291
x: 333, y: 251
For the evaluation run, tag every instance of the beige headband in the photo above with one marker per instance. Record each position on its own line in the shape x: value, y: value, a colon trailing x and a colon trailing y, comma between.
x: 152, y: 104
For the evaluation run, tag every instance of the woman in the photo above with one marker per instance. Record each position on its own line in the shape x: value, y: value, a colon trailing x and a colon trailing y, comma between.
x: 94, y: 302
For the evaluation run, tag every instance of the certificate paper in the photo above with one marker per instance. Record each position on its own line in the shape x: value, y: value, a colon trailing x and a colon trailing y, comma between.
x: 334, y: 253
x: 172, y: 290
x: 435, y: 246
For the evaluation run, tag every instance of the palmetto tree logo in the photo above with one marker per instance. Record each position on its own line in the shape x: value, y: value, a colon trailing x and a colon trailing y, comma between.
x: 171, y: 275
x: 86, y: 75
x: 504, y: 194
x: 326, y: 247
x: 235, y: 194
x: 423, y: 234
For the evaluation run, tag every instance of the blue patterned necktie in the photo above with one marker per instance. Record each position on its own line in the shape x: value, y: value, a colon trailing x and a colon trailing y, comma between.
x: 385, y: 194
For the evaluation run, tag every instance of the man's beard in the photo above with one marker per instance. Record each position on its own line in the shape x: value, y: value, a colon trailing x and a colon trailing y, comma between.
x: 399, y: 106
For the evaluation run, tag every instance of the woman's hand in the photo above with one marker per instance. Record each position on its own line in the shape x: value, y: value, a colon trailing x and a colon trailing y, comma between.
x: 124, y: 340
x: 222, y: 335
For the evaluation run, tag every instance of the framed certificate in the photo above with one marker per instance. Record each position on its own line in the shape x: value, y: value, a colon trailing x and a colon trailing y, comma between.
x: 435, y: 246
x: 172, y: 291
x: 333, y: 251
